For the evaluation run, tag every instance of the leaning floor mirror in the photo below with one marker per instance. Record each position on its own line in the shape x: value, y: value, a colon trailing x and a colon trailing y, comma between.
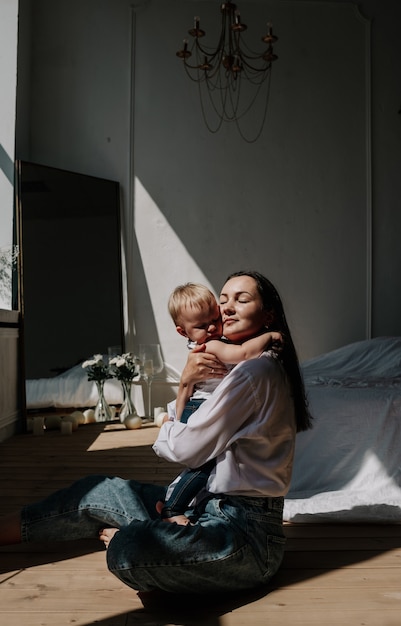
x: 71, y: 267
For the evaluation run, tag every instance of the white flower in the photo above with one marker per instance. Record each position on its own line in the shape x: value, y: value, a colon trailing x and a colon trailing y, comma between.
x: 123, y: 366
x: 119, y: 361
x: 96, y: 368
x: 95, y: 361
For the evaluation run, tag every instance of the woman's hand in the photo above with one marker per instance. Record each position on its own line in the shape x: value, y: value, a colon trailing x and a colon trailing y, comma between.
x: 200, y: 366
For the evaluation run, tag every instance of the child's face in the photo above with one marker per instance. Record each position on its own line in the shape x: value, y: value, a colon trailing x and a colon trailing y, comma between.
x: 201, y: 325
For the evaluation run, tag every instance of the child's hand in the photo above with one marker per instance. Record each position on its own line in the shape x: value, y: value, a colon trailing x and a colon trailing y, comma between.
x: 276, y: 341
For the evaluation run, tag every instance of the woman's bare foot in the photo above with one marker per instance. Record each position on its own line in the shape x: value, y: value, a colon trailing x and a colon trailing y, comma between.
x: 107, y: 534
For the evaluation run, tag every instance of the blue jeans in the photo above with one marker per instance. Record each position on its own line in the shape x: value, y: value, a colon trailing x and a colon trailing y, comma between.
x: 190, y: 483
x: 190, y: 408
x: 236, y: 542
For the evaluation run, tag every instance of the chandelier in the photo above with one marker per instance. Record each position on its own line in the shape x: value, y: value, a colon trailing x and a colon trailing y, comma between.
x: 220, y: 71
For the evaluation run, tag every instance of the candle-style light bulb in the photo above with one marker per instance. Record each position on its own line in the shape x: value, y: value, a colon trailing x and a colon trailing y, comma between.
x: 184, y: 53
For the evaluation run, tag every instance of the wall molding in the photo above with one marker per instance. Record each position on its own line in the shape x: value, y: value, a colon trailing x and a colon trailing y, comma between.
x: 368, y: 164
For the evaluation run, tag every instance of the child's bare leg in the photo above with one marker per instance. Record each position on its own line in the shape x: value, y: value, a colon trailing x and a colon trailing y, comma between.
x: 10, y: 529
x: 177, y: 519
x: 107, y: 534
x: 182, y: 520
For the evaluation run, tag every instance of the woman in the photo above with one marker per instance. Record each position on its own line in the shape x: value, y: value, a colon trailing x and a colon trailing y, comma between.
x: 235, y: 540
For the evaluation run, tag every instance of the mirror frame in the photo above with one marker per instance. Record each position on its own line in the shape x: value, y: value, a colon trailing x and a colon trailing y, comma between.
x: 22, y: 187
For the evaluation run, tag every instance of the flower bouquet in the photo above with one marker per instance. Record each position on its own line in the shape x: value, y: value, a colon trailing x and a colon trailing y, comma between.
x: 96, y: 368
x: 124, y: 368
x: 98, y: 371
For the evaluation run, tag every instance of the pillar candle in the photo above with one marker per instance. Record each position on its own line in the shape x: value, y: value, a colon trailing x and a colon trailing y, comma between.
x: 157, y: 410
x: 38, y: 426
x: 66, y: 427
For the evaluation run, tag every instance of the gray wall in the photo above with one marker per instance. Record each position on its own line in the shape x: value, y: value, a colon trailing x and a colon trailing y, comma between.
x: 108, y: 98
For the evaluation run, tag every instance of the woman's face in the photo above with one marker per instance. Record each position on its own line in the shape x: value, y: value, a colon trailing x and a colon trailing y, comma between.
x: 242, y: 309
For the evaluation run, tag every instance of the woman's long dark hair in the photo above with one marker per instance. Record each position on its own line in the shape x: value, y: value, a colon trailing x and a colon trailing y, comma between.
x: 272, y: 303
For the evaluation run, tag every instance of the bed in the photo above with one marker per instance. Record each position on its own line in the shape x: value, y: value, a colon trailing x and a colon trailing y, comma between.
x: 72, y: 390
x: 348, y: 467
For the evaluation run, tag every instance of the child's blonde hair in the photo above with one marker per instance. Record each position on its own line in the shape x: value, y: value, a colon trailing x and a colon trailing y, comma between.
x: 191, y: 295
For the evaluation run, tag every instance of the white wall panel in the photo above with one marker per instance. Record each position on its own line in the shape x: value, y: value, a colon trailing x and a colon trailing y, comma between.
x: 294, y: 205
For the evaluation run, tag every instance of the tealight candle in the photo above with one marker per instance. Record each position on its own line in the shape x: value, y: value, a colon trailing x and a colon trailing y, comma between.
x: 52, y: 422
x: 73, y: 420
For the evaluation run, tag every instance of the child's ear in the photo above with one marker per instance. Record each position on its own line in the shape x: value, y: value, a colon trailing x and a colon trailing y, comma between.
x: 181, y: 331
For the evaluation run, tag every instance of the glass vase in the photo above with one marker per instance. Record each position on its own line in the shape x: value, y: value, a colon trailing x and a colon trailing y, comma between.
x: 102, y: 409
x: 127, y: 407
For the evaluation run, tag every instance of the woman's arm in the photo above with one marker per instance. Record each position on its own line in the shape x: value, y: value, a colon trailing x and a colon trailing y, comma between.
x: 205, y: 436
x: 250, y: 349
x: 207, y: 361
x: 220, y: 418
x: 201, y: 365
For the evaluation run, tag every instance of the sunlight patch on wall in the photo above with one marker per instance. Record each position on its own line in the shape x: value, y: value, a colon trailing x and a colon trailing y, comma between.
x: 166, y: 264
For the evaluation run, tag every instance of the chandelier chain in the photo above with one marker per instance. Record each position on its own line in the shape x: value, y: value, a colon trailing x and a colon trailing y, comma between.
x: 221, y: 71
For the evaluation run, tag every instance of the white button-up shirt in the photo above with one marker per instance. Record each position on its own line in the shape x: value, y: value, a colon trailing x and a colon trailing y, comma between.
x: 247, y: 425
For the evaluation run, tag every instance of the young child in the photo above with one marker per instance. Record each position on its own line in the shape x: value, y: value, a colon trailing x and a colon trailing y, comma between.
x: 196, y: 316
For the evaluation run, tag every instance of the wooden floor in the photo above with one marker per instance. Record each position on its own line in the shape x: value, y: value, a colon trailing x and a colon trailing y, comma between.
x: 345, y: 575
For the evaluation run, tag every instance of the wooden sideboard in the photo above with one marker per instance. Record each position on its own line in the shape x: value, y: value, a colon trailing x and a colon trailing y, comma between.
x: 12, y: 412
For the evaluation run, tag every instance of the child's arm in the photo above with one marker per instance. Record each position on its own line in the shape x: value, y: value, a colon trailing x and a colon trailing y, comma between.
x: 183, y: 395
x: 250, y: 349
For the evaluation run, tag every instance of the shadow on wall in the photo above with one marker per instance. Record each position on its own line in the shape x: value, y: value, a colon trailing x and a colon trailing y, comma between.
x: 6, y: 165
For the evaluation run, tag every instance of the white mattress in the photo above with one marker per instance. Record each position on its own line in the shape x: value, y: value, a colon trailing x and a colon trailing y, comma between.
x: 72, y: 389
x: 348, y: 467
